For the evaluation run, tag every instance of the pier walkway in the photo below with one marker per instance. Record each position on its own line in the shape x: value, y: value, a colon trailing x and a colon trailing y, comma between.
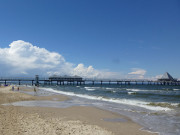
x: 80, y: 81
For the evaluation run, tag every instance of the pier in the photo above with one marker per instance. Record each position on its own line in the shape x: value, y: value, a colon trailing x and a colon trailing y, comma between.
x: 81, y: 81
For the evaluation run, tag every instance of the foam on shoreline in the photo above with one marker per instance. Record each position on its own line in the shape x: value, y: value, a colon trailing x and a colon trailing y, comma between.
x: 120, y: 101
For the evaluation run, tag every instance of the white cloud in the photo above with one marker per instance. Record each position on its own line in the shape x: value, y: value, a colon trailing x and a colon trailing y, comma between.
x: 90, y: 72
x: 23, y: 58
x: 137, y: 73
x: 85, y: 71
x: 158, y: 76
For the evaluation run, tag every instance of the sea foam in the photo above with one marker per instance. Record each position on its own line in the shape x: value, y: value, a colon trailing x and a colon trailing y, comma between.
x: 112, y: 100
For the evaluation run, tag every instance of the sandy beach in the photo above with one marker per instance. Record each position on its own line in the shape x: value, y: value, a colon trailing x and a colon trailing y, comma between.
x: 76, y: 120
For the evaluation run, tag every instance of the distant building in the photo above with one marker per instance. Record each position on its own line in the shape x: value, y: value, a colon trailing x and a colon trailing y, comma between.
x: 167, y: 77
x: 65, y: 78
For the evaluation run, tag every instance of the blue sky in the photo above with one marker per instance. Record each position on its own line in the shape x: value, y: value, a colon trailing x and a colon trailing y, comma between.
x: 110, y: 35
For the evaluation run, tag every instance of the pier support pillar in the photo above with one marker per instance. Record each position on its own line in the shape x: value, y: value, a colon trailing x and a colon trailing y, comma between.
x: 37, y: 80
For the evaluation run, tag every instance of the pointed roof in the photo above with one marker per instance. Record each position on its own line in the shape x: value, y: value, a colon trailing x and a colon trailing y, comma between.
x: 167, y: 76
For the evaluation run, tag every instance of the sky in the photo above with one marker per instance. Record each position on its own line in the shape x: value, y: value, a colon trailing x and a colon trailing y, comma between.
x: 90, y: 38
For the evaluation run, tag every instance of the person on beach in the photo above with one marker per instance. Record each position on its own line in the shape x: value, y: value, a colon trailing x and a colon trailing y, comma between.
x: 35, y: 91
x: 18, y: 88
x: 12, y: 88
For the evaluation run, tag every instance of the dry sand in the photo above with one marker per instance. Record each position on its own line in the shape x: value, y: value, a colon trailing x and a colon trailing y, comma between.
x: 57, y: 121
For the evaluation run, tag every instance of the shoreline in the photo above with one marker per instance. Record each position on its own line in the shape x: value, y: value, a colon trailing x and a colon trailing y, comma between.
x: 71, y: 120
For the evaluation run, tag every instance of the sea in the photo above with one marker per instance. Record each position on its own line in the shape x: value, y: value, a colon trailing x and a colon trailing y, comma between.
x: 155, y: 107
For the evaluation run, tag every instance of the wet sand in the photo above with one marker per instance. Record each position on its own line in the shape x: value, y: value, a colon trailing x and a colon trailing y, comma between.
x: 59, y: 121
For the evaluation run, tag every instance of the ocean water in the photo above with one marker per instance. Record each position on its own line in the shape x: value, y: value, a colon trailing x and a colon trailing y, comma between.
x: 156, y: 108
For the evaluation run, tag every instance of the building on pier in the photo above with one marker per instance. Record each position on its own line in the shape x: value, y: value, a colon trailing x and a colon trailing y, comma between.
x: 167, y: 78
x: 65, y: 78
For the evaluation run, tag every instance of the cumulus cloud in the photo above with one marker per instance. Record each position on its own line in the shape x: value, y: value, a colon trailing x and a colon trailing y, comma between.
x: 23, y: 58
x: 90, y: 72
x: 137, y: 73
